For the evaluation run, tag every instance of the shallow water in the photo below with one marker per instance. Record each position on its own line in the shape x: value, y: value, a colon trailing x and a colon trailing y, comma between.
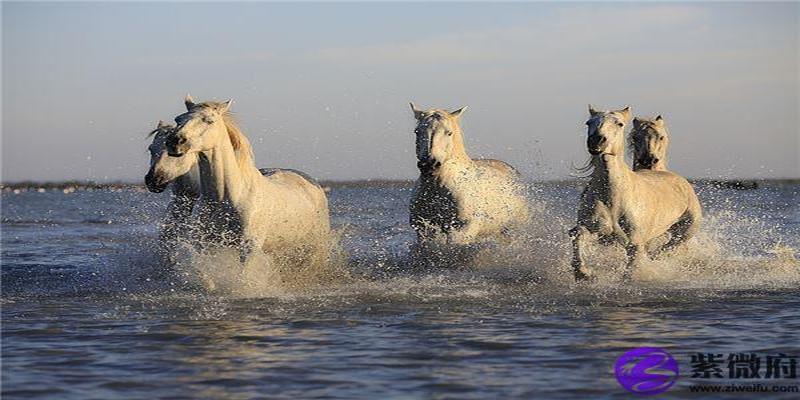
x: 88, y: 312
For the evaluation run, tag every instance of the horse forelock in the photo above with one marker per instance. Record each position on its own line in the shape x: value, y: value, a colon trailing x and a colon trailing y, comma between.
x: 432, y: 117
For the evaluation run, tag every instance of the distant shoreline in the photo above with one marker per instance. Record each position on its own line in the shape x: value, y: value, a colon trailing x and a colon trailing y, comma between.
x: 71, y: 186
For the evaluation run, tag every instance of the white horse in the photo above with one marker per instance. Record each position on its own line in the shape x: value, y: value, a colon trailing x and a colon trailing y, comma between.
x: 283, y: 213
x: 458, y: 200
x: 626, y: 206
x: 648, y: 143
x: 185, y: 189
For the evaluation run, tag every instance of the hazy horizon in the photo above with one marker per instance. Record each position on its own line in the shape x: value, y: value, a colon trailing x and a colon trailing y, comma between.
x: 325, y: 87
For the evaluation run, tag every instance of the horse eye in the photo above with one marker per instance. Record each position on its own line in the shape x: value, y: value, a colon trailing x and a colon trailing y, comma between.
x: 620, y: 124
x: 449, y: 133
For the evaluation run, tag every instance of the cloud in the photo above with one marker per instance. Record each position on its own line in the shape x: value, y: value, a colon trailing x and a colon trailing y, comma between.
x: 570, y: 30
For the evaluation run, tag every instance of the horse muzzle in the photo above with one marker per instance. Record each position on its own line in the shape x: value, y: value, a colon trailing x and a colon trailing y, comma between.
x: 153, y: 183
x: 595, y: 144
x: 428, y: 165
x: 648, y: 162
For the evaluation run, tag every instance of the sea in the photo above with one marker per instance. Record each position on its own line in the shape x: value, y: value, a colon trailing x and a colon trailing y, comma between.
x: 92, y: 310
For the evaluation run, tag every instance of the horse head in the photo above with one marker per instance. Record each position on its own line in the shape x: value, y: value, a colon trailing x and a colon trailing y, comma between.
x: 649, y: 141
x: 438, y: 137
x: 606, y: 131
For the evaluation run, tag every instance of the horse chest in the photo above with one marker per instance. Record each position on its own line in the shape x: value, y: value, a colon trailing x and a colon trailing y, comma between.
x: 434, y: 205
x: 222, y: 223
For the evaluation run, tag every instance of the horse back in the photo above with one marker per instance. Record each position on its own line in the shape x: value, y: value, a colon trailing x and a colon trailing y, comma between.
x: 269, y: 172
x: 288, y: 181
x: 498, y: 165
x: 666, y: 179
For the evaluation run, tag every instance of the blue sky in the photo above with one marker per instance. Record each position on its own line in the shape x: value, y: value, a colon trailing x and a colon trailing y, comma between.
x: 325, y: 87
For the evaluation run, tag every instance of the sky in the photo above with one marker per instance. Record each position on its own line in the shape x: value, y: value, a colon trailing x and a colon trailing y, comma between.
x: 324, y: 87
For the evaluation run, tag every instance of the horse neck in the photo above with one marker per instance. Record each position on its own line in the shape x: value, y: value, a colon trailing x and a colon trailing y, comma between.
x: 610, y: 171
x: 456, y: 163
x: 223, y: 178
x: 188, y: 184
x: 459, y: 153
x: 661, y: 165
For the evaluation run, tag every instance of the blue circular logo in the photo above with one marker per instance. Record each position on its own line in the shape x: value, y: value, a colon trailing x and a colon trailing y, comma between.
x: 646, y: 370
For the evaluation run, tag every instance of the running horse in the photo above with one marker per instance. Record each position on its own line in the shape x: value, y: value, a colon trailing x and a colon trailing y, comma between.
x: 625, y: 206
x: 459, y: 200
x: 281, y: 212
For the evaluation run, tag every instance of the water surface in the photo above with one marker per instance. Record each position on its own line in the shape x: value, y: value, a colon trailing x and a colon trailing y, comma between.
x: 88, y: 311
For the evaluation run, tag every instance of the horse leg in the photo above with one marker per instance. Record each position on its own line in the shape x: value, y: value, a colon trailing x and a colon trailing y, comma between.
x: 577, y: 235
x: 680, y: 232
x: 635, y: 251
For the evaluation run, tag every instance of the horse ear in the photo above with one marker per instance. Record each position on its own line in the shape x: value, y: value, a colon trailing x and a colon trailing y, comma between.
x: 660, y: 119
x: 626, y: 112
x: 457, y: 113
x: 161, y: 124
x: 636, y: 122
x: 592, y: 111
x: 224, y: 107
x: 417, y: 111
x: 189, y: 102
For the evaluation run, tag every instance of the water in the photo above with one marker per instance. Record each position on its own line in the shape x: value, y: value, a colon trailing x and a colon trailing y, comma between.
x: 88, y: 312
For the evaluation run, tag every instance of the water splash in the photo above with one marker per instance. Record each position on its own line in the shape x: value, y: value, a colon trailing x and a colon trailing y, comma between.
x: 736, y: 248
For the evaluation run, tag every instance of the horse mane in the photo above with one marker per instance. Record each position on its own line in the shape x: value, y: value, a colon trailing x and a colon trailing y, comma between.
x: 159, y: 129
x: 241, y: 145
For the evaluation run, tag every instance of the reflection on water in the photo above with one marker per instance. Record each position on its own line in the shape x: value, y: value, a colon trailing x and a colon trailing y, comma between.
x: 87, y: 310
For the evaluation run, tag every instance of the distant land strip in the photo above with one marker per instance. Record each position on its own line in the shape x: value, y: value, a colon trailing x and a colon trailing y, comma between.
x: 71, y: 186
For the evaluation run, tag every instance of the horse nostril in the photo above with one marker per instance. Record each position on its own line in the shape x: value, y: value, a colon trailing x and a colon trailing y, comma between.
x: 181, y: 140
